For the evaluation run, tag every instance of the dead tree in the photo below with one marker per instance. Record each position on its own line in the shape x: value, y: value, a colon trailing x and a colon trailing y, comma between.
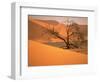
x: 72, y: 32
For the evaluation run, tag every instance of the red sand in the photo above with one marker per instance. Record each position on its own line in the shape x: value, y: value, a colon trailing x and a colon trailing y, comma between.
x: 43, y: 55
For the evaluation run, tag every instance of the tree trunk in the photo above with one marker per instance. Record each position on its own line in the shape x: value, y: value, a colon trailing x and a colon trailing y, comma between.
x: 67, y: 44
x: 60, y: 37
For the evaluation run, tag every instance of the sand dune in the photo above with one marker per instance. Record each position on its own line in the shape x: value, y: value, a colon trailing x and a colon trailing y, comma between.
x: 38, y: 31
x: 43, y: 55
x: 48, y: 24
x: 39, y: 27
x: 41, y: 23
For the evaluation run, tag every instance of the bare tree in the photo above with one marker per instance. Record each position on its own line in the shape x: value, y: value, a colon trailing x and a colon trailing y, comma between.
x: 73, y: 34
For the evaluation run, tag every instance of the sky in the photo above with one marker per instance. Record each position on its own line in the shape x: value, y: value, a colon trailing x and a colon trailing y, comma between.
x: 62, y: 19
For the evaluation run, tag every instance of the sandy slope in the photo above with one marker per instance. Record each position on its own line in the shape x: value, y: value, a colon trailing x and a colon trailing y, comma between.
x: 41, y: 55
x: 36, y: 28
x: 61, y: 28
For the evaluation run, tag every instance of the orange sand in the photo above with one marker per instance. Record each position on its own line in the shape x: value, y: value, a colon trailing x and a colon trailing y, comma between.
x: 43, y: 55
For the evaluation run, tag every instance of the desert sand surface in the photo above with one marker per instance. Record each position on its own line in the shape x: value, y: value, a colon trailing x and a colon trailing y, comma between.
x: 44, y: 55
